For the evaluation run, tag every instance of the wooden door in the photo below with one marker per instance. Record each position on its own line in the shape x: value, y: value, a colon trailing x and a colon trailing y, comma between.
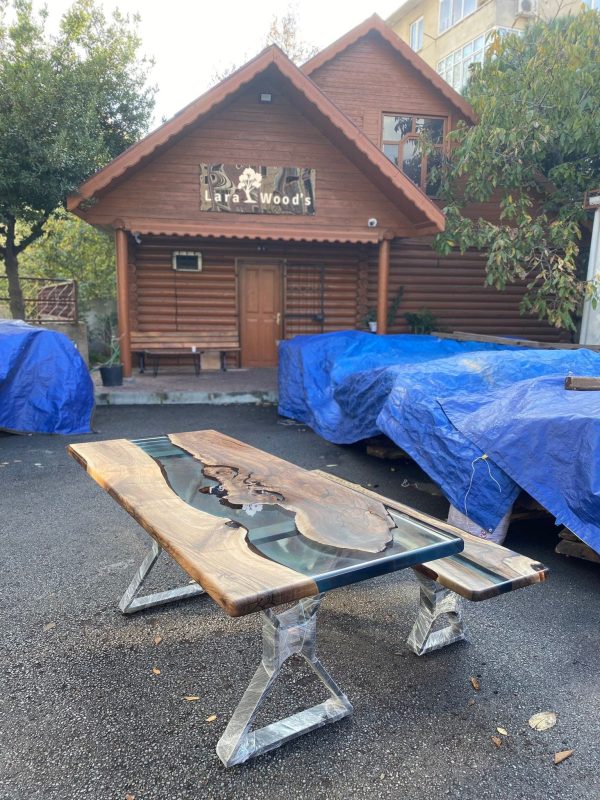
x: 260, y: 314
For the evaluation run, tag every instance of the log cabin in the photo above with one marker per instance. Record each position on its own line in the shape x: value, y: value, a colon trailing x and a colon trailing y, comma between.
x: 292, y: 200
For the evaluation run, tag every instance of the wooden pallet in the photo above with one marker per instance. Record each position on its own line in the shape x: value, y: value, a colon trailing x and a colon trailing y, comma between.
x: 571, y: 545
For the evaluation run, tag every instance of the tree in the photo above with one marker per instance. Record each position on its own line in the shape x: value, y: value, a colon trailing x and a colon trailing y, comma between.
x: 70, y: 248
x: 69, y: 103
x: 536, y: 147
x: 283, y: 31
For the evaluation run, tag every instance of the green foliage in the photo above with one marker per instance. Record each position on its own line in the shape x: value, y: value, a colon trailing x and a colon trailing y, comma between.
x: 70, y: 248
x: 371, y: 315
x: 421, y: 321
x: 537, y: 146
x: 69, y: 103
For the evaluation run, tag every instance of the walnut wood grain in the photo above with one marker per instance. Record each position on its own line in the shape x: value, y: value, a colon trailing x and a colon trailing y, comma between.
x: 208, y: 548
x: 482, y: 570
x: 326, y: 512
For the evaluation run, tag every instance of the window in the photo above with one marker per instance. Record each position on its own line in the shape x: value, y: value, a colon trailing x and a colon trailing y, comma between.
x: 416, y: 35
x: 593, y: 4
x: 402, y: 144
x: 452, y: 11
x: 455, y: 67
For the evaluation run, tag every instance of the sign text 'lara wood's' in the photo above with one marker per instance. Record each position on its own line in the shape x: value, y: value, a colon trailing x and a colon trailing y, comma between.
x: 244, y: 189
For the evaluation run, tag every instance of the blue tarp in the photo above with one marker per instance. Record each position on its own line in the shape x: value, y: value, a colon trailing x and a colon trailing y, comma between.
x: 435, y: 399
x: 548, y: 440
x: 311, y: 368
x: 45, y: 386
x: 413, y: 415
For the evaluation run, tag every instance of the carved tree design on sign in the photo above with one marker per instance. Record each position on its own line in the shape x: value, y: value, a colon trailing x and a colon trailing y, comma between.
x: 249, y: 179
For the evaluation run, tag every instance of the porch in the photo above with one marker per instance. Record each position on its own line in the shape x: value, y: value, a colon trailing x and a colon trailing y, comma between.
x: 179, y: 385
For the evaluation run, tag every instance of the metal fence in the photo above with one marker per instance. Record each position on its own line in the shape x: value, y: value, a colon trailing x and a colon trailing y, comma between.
x: 46, y: 299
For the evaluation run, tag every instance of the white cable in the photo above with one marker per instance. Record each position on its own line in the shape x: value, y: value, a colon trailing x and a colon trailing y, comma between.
x: 484, y: 458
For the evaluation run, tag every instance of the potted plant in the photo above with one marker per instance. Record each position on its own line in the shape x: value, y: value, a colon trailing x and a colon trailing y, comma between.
x: 370, y: 320
x: 111, y: 371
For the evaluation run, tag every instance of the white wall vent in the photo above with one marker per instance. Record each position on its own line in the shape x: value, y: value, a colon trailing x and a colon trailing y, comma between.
x: 187, y: 261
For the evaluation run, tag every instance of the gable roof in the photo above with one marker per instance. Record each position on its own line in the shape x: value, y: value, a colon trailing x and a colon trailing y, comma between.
x: 411, y: 201
x: 375, y: 24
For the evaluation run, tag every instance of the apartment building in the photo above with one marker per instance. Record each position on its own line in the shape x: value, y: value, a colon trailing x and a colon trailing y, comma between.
x: 450, y: 35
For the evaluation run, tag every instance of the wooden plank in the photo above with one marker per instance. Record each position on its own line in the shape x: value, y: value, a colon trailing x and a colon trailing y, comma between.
x: 483, y: 569
x: 212, y: 552
x: 479, y: 337
x: 571, y: 545
x: 327, y: 513
x: 580, y: 384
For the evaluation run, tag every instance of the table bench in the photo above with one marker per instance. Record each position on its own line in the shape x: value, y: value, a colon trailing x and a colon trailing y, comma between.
x: 183, y: 343
x: 255, y: 532
x: 482, y: 570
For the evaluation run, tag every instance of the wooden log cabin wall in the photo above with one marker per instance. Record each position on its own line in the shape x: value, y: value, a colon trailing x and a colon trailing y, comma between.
x: 275, y: 184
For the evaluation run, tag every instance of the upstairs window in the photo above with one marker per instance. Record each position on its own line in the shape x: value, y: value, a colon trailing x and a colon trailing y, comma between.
x: 452, y: 11
x: 416, y: 35
x: 403, y: 144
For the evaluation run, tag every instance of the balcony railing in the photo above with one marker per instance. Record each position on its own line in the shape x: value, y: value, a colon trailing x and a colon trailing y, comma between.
x: 46, y: 299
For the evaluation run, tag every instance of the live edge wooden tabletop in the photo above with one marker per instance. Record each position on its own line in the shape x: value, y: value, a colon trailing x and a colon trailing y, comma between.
x: 219, y: 553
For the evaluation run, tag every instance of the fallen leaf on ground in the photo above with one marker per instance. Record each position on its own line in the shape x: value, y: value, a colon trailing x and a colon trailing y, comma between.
x: 503, y: 731
x: 497, y: 741
x: 471, y: 701
x: 129, y: 797
x: 562, y: 755
x: 331, y: 465
x: 48, y: 626
x: 191, y: 697
x: 475, y: 683
x: 157, y: 639
x: 212, y: 718
x: 543, y: 721
x: 156, y: 670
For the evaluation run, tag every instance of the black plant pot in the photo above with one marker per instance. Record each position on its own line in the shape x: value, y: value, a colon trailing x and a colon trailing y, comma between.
x: 112, y: 376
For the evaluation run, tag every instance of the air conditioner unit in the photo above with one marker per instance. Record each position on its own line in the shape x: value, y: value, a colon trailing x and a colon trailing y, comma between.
x: 187, y: 261
x: 526, y: 8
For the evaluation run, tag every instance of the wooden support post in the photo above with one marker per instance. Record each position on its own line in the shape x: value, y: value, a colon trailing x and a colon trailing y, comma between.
x: 382, y: 285
x: 123, y: 299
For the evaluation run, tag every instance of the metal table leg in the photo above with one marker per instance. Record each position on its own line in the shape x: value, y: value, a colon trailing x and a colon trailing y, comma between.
x: 129, y: 603
x: 435, y: 602
x: 292, y: 632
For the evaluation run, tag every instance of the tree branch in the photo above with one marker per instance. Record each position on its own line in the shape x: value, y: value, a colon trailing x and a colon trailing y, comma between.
x: 36, y: 231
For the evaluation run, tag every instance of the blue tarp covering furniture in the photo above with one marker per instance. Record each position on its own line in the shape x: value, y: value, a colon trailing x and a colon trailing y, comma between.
x: 311, y: 368
x: 45, y: 386
x: 436, y: 399
x: 548, y: 440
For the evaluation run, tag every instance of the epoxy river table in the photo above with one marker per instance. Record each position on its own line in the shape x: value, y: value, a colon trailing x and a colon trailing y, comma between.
x: 254, y: 532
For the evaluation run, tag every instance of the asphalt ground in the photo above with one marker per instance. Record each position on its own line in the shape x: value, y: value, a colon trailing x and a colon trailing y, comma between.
x: 82, y: 714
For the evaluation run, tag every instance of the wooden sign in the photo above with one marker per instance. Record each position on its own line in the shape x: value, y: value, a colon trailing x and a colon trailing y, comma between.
x: 245, y: 189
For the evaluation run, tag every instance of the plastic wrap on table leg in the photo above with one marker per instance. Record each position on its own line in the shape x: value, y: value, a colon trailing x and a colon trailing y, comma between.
x: 292, y: 632
x: 436, y: 602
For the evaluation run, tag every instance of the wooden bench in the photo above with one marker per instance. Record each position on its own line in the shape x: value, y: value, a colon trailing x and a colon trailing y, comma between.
x: 482, y: 570
x: 183, y: 343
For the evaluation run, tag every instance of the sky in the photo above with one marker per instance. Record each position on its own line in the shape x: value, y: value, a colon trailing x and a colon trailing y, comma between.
x: 192, y: 39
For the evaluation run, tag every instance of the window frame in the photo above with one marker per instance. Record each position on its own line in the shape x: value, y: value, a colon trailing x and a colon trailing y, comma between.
x: 421, y: 31
x: 456, y: 21
x: 414, y: 135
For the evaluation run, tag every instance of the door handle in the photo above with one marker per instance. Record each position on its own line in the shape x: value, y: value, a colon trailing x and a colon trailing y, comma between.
x: 278, y: 318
